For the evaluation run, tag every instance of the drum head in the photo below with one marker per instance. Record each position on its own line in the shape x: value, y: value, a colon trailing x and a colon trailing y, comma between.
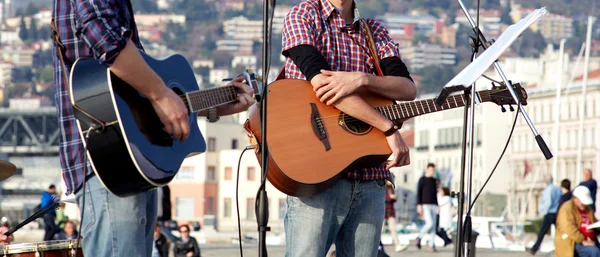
x: 38, y: 247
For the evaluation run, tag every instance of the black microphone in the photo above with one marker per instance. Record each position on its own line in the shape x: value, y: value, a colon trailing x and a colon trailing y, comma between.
x: 53, y: 206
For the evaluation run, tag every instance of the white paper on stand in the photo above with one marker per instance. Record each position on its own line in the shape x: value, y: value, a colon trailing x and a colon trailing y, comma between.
x: 472, y: 72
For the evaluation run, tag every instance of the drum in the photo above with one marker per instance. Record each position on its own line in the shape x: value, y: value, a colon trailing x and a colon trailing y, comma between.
x: 62, y: 248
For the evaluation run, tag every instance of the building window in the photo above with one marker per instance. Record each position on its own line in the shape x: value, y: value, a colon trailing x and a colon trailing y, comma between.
x: 210, y: 173
x: 210, y: 205
x: 212, y: 144
x: 185, y: 173
x: 405, y: 178
x: 227, y: 208
x: 282, y: 208
x: 228, y: 172
x: 184, y: 207
x: 250, y: 209
x: 251, y: 173
x: 234, y: 144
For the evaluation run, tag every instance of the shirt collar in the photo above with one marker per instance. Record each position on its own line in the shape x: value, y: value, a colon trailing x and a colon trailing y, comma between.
x: 327, y: 9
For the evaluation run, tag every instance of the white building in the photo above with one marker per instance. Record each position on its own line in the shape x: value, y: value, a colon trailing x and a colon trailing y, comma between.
x: 423, y: 24
x: 217, y: 75
x: 541, y: 107
x: 242, y: 28
x: 438, y: 140
x: 423, y: 55
x: 238, y: 46
x: 246, y: 61
x: 204, y: 189
x: 489, y: 20
x: 279, y: 16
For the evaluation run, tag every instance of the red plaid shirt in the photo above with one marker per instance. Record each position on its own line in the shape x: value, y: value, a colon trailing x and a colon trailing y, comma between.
x: 319, y: 23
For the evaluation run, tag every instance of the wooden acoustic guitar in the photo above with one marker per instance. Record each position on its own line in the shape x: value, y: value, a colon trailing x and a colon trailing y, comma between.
x: 128, y: 149
x: 311, y: 144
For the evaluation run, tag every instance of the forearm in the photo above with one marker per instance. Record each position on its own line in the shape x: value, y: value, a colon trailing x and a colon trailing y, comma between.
x: 131, y: 67
x: 356, y: 107
x: 392, y: 87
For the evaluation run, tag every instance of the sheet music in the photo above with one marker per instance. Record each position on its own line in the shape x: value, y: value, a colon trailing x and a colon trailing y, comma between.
x: 470, y: 74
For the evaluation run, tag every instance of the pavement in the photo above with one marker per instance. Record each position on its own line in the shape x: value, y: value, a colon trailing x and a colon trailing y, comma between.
x: 251, y: 249
x: 279, y: 251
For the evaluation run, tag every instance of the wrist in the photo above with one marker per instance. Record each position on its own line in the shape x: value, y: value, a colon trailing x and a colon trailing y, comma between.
x: 391, y: 131
x: 158, y: 92
x: 365, y: 79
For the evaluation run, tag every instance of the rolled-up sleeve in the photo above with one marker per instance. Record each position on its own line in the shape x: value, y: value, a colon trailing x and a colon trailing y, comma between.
x: 103, y: 28
x: 386, y: 47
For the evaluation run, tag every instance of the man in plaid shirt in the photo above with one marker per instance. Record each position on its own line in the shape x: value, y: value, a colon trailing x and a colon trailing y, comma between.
x: 105, y: 30
x: 323, y: 44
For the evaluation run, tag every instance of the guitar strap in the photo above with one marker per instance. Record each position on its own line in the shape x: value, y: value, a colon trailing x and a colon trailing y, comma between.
x: 60, y: 50
x: 372, y: 46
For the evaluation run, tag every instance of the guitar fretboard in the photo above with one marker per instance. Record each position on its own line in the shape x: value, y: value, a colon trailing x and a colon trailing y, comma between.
x: 209, y: 98
x: 407, y: 110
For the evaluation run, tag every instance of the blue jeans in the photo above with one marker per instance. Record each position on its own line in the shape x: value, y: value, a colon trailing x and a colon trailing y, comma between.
x: 587, y: 251
x: 113, y: 226
x: 350, y: 212
x: 429, y: 215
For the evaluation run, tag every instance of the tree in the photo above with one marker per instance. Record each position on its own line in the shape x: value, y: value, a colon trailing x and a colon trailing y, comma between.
x: 23, y: 33
x: 34, y: 34
x: 31, y: 9
x: 46, y: 75
x: 144, y: 5
x: 505, y: 17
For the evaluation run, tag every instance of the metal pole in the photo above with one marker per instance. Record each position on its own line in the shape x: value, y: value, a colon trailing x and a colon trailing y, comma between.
x: 538, y: 137
x: 556, y: 136
x: 586, y: 64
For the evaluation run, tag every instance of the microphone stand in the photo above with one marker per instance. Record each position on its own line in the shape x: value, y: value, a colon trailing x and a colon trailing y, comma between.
x: 464, y: 232
x: 262, y: 210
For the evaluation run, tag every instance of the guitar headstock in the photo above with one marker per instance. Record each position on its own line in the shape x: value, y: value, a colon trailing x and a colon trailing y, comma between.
x: 255, y: 82
x: 501, y: 96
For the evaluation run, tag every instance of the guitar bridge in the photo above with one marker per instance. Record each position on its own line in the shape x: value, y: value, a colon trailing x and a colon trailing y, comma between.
x: 318, y: 127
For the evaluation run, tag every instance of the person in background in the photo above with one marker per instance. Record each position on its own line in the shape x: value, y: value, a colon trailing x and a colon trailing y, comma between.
x: 186, y: 246
x: 164, y: 211
x: 565, y: 187
x: 61, y: 218
x: 160, y: 246
x: 591, y: 184
x: 427, y: 205
x: 572, y: 236
x: 4, y: 240
x: 69, y: 232
x: 445, y: 215
x: 390, y: 215
x: 50, y: 227
x: 548, y: 207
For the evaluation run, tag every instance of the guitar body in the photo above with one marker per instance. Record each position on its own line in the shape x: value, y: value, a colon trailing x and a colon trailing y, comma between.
x: 132, y: 153
x: 301, y: 161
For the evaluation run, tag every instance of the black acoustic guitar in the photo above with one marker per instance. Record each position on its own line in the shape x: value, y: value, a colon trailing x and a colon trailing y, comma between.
x: 128, y: 148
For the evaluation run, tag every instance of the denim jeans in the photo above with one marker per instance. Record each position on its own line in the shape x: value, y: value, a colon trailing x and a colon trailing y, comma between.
x: 50, y: 227
x: 587, y: 251
x: 113, y: 226
x: 429, y: 214
x: 349, y: 213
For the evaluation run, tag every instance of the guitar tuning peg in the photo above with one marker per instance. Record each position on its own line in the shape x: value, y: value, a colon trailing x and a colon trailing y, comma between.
x: 511, y: 108
x: 503, y: 109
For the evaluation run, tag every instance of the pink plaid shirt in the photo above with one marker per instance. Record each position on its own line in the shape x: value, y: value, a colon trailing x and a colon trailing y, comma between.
x: 320, y: 24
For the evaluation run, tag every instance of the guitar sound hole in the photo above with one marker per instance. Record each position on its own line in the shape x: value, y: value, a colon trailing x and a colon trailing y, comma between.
x: 353, y: 125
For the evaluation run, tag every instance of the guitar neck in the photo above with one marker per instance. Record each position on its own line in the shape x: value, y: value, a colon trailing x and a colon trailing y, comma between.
x: 210, y: 98
x: 407, y: 110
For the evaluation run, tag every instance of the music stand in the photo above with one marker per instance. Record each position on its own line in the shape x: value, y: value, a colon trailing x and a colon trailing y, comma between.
x: 464, y: 81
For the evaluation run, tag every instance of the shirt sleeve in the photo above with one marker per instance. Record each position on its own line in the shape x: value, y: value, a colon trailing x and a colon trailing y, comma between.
x: 298, y: 29
x: 102, y: 28
x: 386, y: 47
